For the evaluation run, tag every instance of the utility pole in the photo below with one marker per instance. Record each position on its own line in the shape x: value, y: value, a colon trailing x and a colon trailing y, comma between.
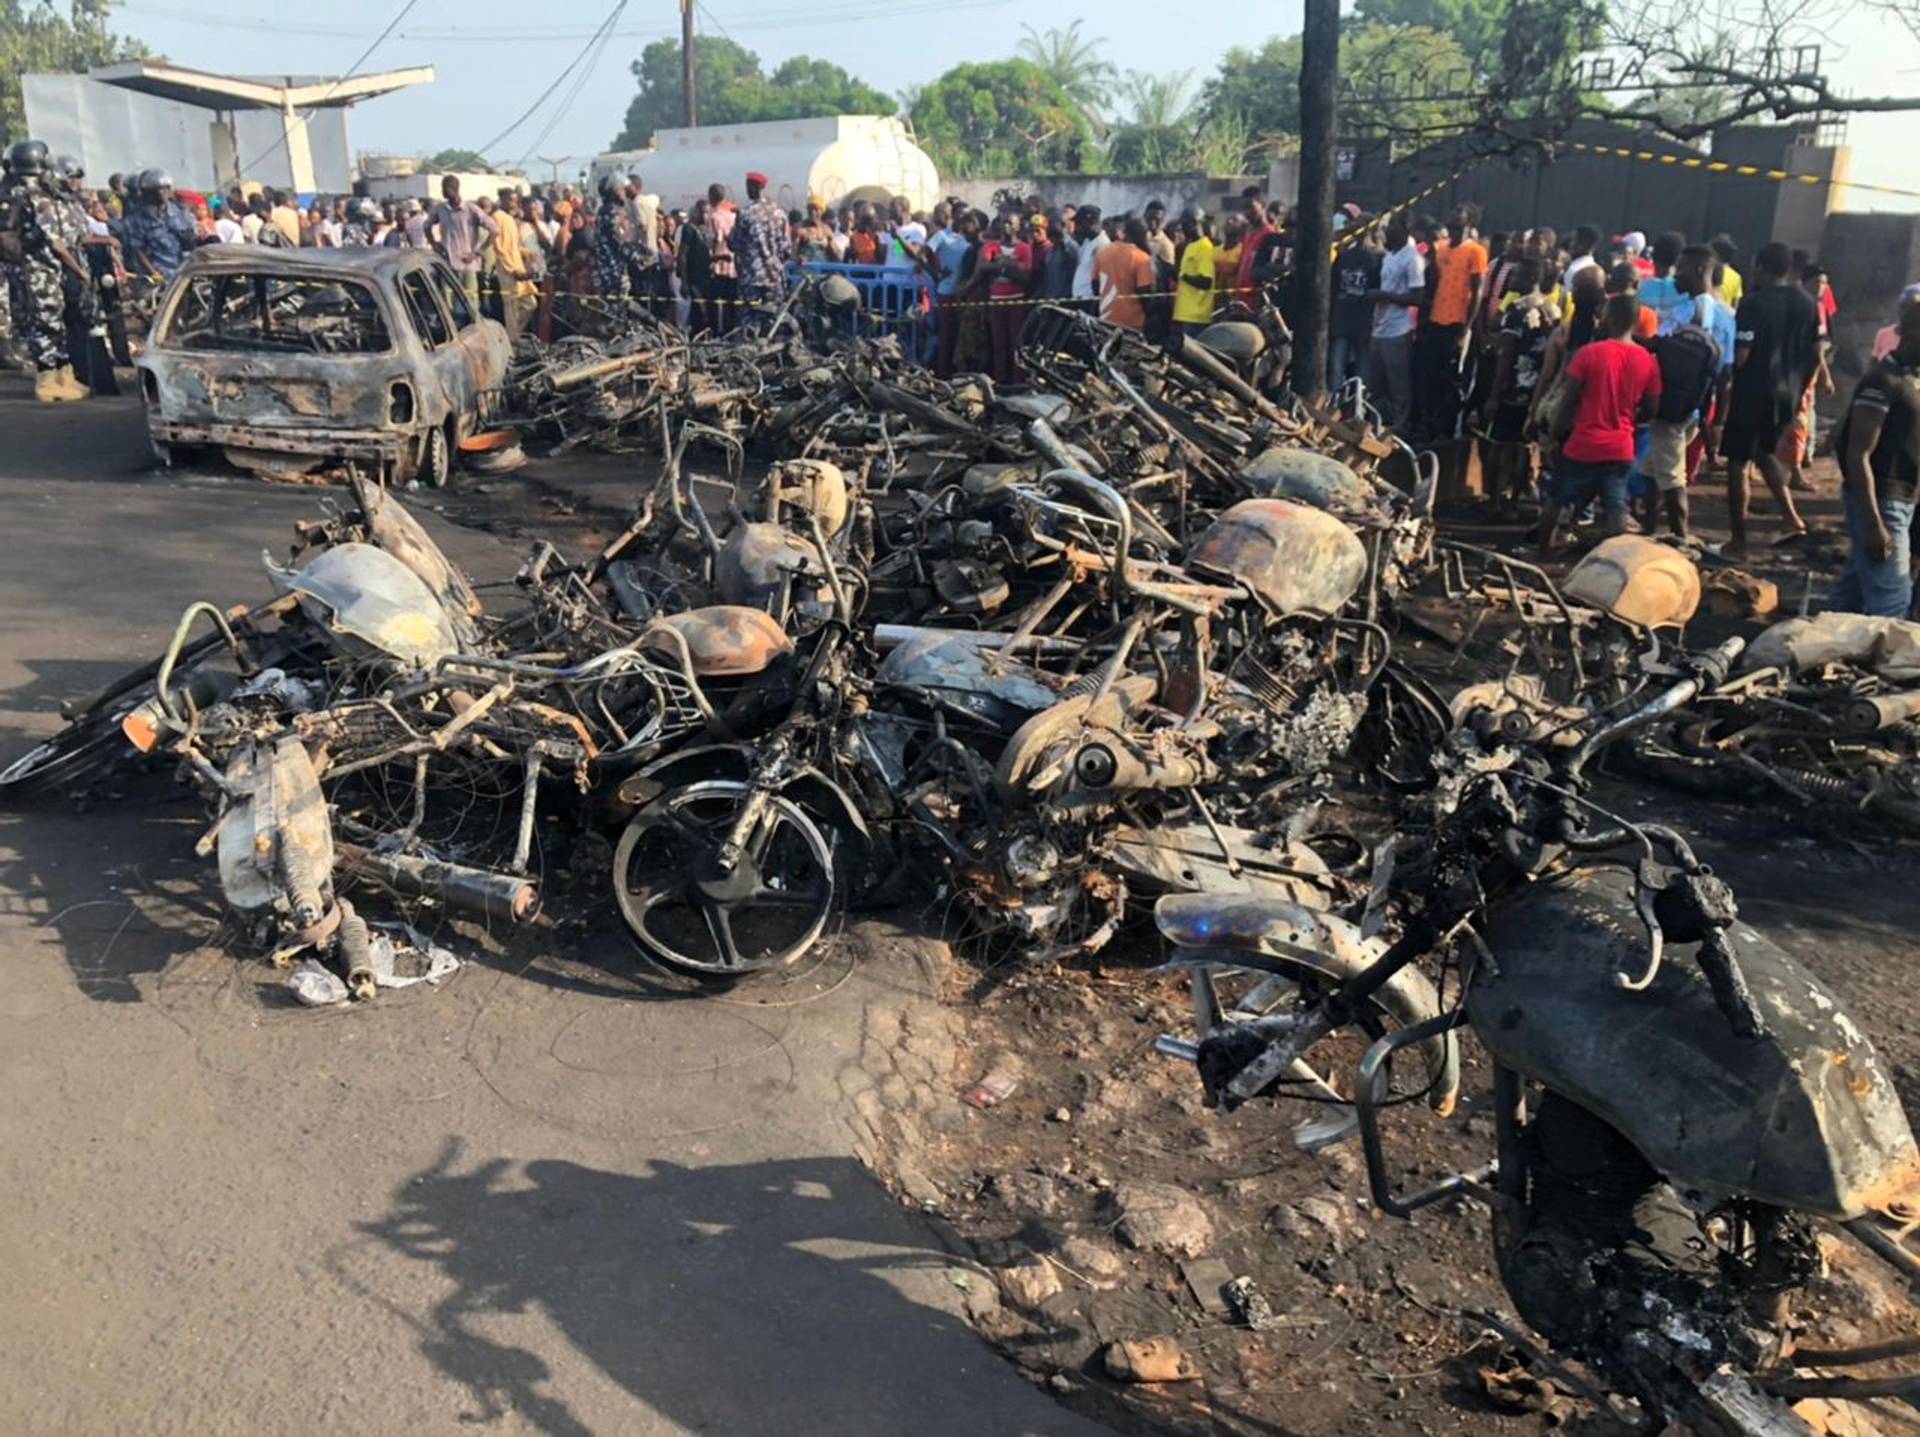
x: 553, y: 166
x: 1313, y: 257
x: 686, y: 63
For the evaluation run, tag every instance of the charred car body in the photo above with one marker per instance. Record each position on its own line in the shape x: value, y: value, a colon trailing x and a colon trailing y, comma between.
x: 287, y: 360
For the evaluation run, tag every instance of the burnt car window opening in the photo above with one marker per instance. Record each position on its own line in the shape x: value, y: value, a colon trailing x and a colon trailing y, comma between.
x: 290, y: 313
x: 455, y: 297
x: 428, y: 318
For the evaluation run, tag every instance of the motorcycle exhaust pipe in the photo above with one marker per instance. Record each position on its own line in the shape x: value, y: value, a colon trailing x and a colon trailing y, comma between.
x: 505, y: 897
x: 1883, y: 711
x: 1107, y: 765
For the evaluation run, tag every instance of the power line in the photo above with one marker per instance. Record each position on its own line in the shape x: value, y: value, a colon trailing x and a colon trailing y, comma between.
x: 599, y: 36
x: 758, y: 20
x: 352, y: 70
x: 566, y: 104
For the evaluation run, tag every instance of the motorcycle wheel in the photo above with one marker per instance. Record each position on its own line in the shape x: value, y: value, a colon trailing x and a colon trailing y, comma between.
x: 71, y: 759
x: 1604, y: 1248
x: 687, y: 912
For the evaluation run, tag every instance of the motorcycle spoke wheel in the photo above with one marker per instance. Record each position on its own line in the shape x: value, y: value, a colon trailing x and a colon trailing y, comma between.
x: 687, y: 909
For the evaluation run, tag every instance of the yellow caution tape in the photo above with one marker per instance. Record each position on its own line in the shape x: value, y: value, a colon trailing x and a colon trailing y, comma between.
x: 1722, y: 167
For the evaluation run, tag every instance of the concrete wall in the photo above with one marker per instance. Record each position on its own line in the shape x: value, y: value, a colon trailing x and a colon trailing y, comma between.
x: 1870, y: 259
x: 110, y: 129
x: 1114, y: 194
x: 1800, y: 214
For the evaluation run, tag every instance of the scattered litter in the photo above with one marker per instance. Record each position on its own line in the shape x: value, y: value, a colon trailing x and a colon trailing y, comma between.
x: 1150, y: 1359
x: 1250, y: 1306
x: 992, y: 1090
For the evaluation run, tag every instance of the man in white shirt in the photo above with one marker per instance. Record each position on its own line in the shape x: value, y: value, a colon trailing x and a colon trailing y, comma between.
x: 1389, y: 366
x: 1580, y: 254
x: 1092, y: 239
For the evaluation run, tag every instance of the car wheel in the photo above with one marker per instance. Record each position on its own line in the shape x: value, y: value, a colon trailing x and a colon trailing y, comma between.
x: 436, y: 460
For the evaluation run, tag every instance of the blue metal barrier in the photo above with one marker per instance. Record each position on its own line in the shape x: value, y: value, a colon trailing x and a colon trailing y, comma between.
x: 894, y: 299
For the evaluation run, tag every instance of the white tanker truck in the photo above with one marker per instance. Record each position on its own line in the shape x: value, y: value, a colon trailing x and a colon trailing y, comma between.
x: 832, y: 160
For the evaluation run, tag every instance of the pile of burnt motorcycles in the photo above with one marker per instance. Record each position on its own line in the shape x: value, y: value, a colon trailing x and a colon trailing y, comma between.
x: 1111, y: 652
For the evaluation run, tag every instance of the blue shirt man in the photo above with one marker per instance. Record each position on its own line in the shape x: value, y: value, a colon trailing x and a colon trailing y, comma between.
x: 162, y: 232
x: 949, y: 247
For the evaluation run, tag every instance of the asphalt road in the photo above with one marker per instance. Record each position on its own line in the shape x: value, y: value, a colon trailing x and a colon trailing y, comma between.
x: 549, y: 1197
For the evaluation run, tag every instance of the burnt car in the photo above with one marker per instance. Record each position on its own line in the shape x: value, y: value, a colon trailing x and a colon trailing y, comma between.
x: 290, y: 360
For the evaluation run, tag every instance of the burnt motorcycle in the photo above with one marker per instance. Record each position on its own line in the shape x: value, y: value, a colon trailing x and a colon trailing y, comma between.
x: 1677, y: 1101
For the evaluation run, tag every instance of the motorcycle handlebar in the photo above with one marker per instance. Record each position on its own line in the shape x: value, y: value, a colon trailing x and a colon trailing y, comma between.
x: 1709, y: 671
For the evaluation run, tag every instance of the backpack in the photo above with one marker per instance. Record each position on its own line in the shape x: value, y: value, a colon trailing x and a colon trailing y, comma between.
x: 1689, y: 358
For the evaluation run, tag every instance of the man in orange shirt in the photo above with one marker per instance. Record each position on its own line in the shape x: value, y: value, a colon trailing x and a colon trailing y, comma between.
x: 1123, y: 272
x: 1460, y: 269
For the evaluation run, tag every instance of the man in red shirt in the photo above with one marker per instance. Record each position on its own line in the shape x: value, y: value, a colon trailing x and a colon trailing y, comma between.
x: 1008, y: 261
x: 1612, y: 387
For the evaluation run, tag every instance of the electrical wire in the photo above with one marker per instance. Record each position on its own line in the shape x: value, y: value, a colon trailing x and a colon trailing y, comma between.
x: 849, y: 10
x: 566, y: 104
x: 352, y: 70
x: 599, y: 37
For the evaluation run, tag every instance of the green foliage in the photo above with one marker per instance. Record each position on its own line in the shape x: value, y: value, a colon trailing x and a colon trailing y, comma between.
x: 1383, y: 70
x: 1001, y: 117
x: 1156, y: 101
x: 733, y: 90
x: 1475, y: 24
x: 466, y: 162
x: 1076, y: 65
x: 37, y: 39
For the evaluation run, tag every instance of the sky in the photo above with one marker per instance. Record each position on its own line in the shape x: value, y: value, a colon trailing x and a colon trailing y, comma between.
x: 492, y: 61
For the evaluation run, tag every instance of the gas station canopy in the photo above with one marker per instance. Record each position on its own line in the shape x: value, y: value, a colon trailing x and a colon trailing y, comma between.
x: 227, y: 93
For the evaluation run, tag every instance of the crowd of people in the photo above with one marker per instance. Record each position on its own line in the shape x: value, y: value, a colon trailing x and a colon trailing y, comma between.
x: 1600, y: 374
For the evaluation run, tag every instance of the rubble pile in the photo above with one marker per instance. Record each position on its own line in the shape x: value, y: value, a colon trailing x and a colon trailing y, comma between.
x: 1047, y: 650
x: 1132, y: 636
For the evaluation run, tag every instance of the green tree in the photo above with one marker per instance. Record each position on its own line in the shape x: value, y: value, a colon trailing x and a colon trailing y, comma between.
x: 1156, y: 101
x: 1001, y: 117
x: 37, y: 39
x: 804, y: 87
x: 1476, y: 24
x: 1390, y: 76
x: 733, y: 90
x: 1076, y: 65
x: 469, y: 162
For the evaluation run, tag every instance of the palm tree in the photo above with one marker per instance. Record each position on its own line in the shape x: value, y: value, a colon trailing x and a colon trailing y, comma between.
x: 1156, y: 102
x: 1075, y: 64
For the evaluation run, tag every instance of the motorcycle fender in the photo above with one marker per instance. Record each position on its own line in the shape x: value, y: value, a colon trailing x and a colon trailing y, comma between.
x: 808, y: 787
x: 1805, y: 1117
x: 1277, y: 936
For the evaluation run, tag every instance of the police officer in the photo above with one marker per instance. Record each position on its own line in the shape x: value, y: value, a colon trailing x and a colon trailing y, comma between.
x: 102, y: 258
x: 362, y: 217
x: 13, y: 349
x: 160, y: 231
x: 79, y: 308
x: 36, y: 258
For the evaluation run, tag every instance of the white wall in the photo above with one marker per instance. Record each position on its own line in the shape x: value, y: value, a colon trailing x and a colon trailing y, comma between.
x: 111, y: 129
x: 1114, y: 194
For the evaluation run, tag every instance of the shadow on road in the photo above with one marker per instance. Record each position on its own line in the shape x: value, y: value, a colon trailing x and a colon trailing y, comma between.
x: 732, y: 1298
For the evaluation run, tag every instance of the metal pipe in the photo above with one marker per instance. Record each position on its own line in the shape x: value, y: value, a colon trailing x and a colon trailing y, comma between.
x: 1883, y: 711
x: 505, y: 896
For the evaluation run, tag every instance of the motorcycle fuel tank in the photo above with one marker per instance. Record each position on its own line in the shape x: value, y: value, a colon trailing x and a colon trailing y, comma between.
x: 1805, y: 1117
x: 1637, y: 580
x: 1296, y: 558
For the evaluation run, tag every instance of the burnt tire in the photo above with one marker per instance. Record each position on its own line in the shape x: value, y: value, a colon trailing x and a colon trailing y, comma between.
x: 1605, y: 1252
x: 435, y: 465
x: 71, y: 760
